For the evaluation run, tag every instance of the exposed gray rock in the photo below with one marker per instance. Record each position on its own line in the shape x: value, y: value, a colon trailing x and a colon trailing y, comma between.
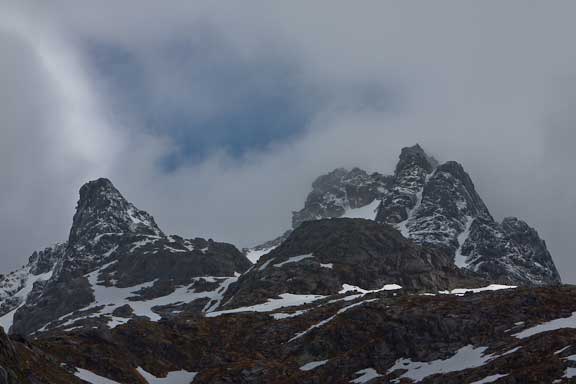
x: 320, y: 256
x: 511, y: 253
x: 340, y: 190
x: 437, y: 205
x: 35, y: 272
x: 53, y: 300
x: 410, y: 176
x: 123, y: 311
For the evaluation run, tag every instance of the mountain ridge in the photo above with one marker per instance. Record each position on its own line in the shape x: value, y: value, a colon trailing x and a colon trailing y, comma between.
x: 434, y: 204
x: 383, y: 279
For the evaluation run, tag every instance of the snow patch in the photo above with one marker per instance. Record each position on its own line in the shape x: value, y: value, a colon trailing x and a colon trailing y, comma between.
x: 263, y: 266
x: 366, y: 212
x: 285, y: 300
x: 489, y: 379
x: 294, y: 259
x: 465, y: 358
x: 567, y: 322
x: 254, y: 255
x: 92, y: 378
x: 352, y: 288
x: 403, y: 226
x: 176, y: 377
x: 366, y: 375
x: 459, y: 259
x: 313, y: 365
x: 280, y: 316
x: 570, y: 373
x: 326, y: 321
x: 491, y: 287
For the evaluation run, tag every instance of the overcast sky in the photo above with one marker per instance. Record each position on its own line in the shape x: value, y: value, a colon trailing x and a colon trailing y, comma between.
x: 216, y: 116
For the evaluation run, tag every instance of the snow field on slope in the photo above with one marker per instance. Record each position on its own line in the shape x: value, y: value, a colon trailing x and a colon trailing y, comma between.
x: 313, y: 365
x: 366, y: 212
x: 465, y: 358
x: 176, y: 377
x: 365, y: 376
x: 114, y: 297
x: 285, y: 300
x: 552, y: 325
x: 254, y: 255
x: 92, y: 378
x: 7, y: 319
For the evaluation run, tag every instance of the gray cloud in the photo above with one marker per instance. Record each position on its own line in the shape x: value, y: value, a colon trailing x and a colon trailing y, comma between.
x: 482, y: 83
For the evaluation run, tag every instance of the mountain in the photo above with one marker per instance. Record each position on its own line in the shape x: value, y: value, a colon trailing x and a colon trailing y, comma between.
x: 400, y: 279
x: 117, y: 264
x: 434, y: 205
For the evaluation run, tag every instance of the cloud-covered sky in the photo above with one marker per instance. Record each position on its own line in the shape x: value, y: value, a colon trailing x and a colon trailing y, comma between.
x: 216, y: 116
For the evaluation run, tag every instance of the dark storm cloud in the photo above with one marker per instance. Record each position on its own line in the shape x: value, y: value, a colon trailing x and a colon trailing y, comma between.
x: 483, y: 83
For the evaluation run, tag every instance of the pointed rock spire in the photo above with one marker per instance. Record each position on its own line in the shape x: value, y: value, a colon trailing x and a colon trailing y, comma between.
x: 414, y: 157
x: 103, y: 210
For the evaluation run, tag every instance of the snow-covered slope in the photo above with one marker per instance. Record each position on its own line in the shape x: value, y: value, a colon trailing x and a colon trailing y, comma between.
x: 17, y: 285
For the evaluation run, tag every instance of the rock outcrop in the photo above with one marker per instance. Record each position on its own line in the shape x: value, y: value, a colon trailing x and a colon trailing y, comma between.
x: 320, y: 257
x: 339, y: 191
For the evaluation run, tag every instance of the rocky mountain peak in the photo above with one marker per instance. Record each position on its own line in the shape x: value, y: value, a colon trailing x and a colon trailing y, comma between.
x: 434, y: 205
x: 452, y: 189
x: 102, y: 209
x: 43, y: 261
x: 414, y: 157
x: 340, y: 191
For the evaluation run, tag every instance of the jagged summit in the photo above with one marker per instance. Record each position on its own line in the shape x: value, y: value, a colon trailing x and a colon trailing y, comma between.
x: 435, y: 205
x: 414, y: 156
x: 340, y: 191
x: 102, y: 209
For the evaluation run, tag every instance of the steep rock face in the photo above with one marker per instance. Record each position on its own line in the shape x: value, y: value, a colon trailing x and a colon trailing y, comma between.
x: 410, y: 176
x: 511, y: 252
x: 319, y: 257
x: 437, y: 205
x: 340, y: 190
x: 450, y: 214
x: 447, y: 204
x: 116, y: 254
x: 16, y: 285
x: 103, y: 219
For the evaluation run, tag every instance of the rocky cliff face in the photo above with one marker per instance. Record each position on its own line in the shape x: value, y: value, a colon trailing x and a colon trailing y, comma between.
x: 323, y: 257
x: 436, y: 205
x: 340, y: 191
x: 116, y: 257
